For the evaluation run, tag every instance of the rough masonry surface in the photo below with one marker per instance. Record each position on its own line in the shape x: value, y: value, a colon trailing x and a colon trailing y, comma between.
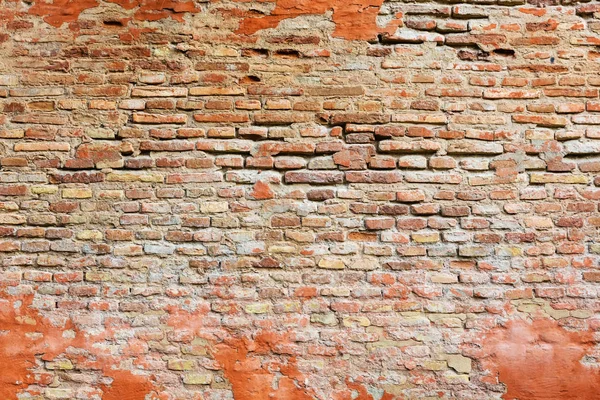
x: 299, y: 199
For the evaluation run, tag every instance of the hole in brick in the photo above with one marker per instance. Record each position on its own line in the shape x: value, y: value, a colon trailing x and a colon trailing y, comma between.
x: 505, y: 52
x: 287, y: 53
x: 250, y: 79
x: 112, y: 23
x: 254, y: 12
x: 255, y: 52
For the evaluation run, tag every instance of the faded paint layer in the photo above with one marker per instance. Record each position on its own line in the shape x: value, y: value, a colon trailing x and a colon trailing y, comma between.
x: 354, y: 19
x: 58, y: 12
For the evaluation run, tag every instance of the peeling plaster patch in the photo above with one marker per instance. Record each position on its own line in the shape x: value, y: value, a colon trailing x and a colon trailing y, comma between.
x: 58, y: 12
x: 354, y: 19
x: 540, y: 360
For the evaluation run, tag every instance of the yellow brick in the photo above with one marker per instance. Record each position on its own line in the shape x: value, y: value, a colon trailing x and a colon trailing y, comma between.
x: 459, y: 363
x: 509, y: 251
x: 456, y: 378
x: 288, y: 306
x: 258, y: 308
x: 354, y: 321
x: 111, y: 194
x: 325, y: 319
x: 60, y: 364
x: 132, y: 177
x: 558, y: 178
x: 197, y: 379
x: 338, y: 291
x: 180, y: 365
x: 225, y: 52
x: 433, y: 365
x: 582, y: 314
x: 76, y: 193
x: 214, y: 206
x: 282, y: 249
x: 12, y: 219
x: 331, y: 263
x: 426, y: 237
x: 94, y: 276
x: 9, y: 206
x: 12, y: 134
x: 44, y: 189
x: 89, y: 235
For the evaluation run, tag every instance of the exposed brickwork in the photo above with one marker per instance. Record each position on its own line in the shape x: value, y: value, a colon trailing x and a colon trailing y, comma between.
x: 299, y: 199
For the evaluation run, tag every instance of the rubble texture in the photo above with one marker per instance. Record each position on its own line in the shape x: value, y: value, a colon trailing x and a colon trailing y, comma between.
x: 299, y: 199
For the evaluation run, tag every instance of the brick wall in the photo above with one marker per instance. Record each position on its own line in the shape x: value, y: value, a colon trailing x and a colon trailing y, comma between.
x: 299, y: 199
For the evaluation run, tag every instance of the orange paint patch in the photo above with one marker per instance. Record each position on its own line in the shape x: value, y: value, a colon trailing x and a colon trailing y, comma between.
x: 354, y: 19
x: 251, y: 379
x: 23, y: 336
x: 540, y: 360
x: 126, y: 386
x: 154, y: 10
x: 28, y: 339
x: 261, y: 191
x: 59, y: 12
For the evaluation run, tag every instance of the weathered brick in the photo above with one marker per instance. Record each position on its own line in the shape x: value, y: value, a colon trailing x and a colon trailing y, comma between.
x: 146, y: 118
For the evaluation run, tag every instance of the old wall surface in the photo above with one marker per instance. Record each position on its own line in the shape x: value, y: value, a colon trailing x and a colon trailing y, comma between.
x: 299, y: 199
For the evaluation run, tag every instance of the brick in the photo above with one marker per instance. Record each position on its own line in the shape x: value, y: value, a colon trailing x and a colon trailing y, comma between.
x: 510, y: 94
x: 379, y: 223
x: 314, y: 177
x: 475, y: 148
x: 222, y: 117
x: 557, y: 178
x: 36, y: 92
x: 42, y: 146
x: 394, y: 146
x: 172, y: 145
x: 280, y: 118
x: 285, y: 221
x: 551, y: 121
x: 197, y: 378
x: 100, y: 91
x: 146, y: 91
x: 200, y: 177
x: 13, y: 190
x: 145, y: 118
x: 216, y: 91
x: 373, y: 177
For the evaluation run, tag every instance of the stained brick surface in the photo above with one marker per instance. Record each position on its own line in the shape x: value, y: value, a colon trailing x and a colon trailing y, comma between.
x: 299, y: 199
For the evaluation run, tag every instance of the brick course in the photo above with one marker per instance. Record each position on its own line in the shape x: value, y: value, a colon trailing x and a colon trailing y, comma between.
x: 358, y: 199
